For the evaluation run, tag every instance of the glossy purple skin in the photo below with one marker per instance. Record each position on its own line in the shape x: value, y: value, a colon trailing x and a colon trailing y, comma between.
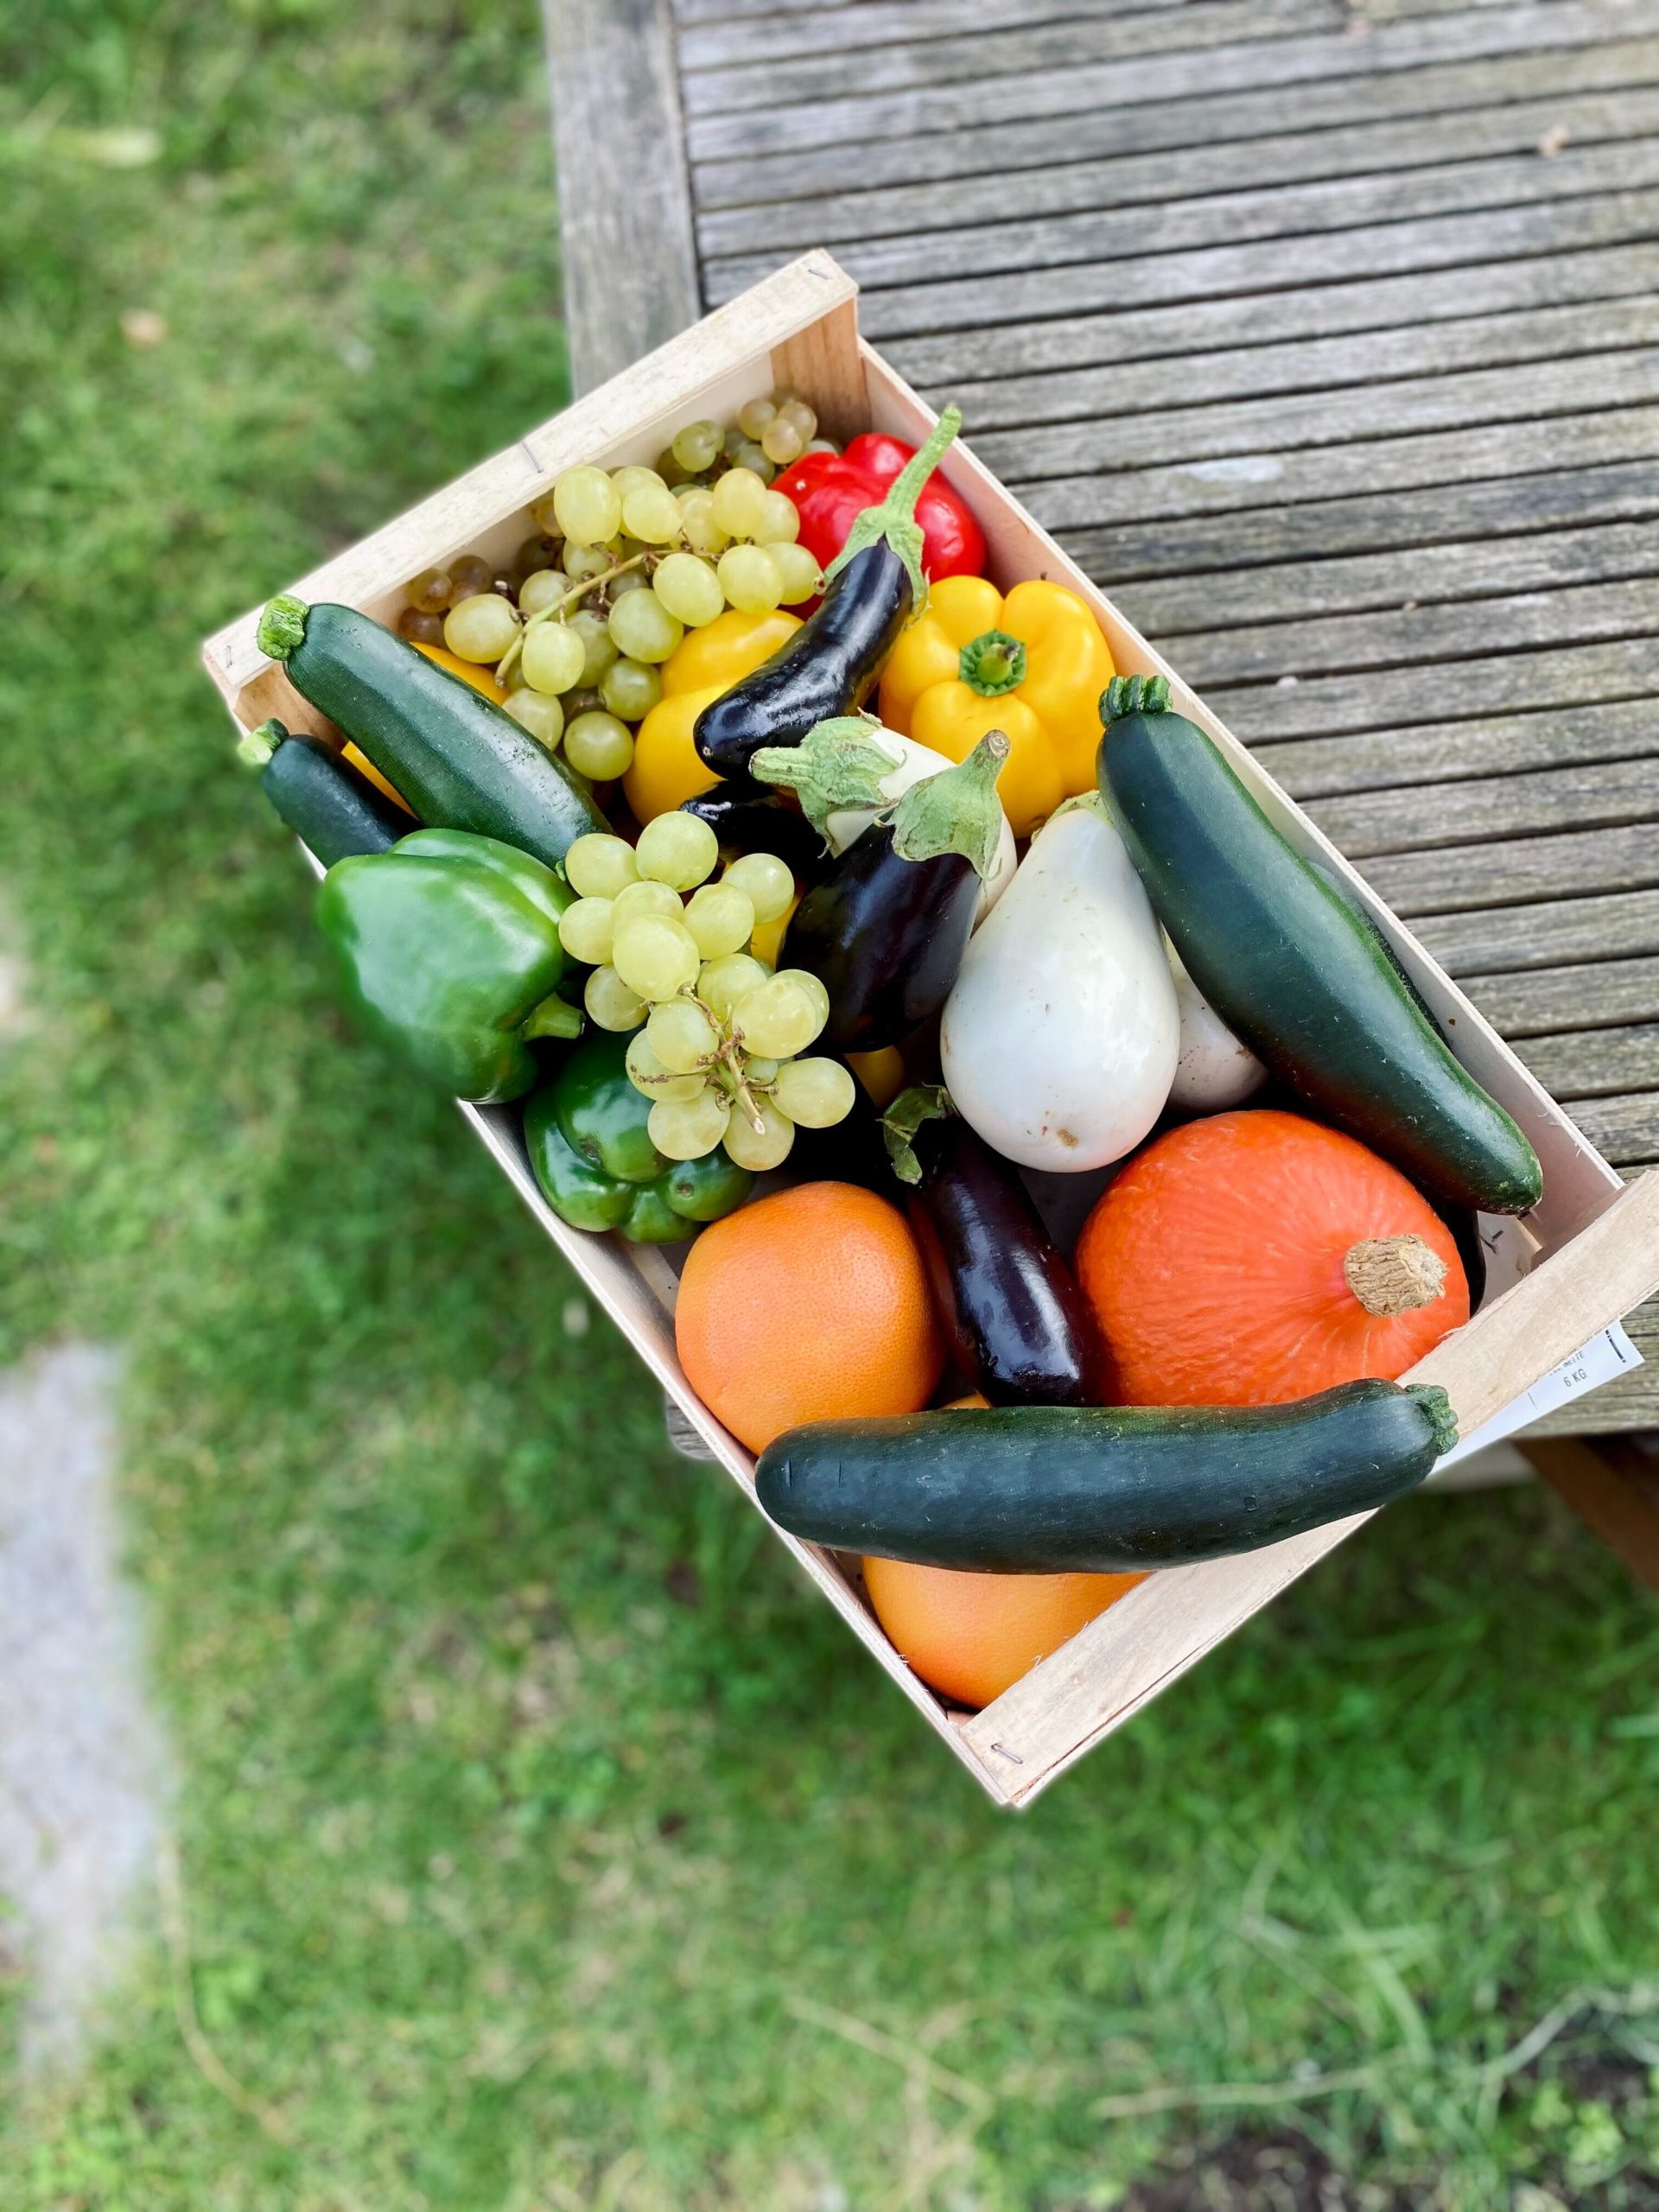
x: 885, y: 937
x: 1016, y: 1322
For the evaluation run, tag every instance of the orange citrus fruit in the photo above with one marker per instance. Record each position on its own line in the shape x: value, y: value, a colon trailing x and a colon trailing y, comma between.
x: 971, y: 1637
x: 809, y: 1305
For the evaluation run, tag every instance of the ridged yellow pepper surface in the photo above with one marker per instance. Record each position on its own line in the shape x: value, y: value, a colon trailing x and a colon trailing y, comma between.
x: 1033, y: 665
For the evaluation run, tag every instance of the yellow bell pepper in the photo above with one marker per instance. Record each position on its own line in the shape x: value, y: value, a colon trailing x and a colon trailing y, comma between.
x: 1033, y: 665
x: 665, y: 770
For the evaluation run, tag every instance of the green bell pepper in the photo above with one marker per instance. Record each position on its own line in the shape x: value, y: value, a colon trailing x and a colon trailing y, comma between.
x: 448, y: 946
x: 598, y: 1168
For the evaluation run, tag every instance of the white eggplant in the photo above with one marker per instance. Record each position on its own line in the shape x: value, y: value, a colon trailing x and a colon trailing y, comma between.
x: 912, y: 764
x: 1061, y: 1035
x: 1216, y: 1069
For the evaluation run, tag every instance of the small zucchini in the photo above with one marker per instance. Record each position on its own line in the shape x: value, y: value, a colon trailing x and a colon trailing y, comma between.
x: 459, y: 761
x: 325, y: 802
x: 1103, y: 1489
x: 1287, y: 965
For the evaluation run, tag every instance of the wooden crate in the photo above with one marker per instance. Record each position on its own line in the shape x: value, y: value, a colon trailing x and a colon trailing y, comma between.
x: 1594, y: 1243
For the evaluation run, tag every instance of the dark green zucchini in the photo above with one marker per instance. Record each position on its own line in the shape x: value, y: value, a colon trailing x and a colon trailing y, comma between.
x: 324, y: 800
x: 1289, y: 966
x: 459, y: 761
x: 1106, y: 1489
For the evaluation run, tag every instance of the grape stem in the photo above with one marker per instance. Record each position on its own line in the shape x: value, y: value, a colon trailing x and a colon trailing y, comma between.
x: 725, y: 1064
x: 509, y: 659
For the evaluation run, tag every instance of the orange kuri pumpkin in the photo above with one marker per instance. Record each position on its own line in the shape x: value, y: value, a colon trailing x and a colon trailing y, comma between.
x: 1255, y: 1256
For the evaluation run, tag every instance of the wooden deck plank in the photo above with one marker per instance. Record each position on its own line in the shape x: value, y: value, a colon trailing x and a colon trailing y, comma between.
x: 1555, y: 1001
x: 1008, y: 94
x: 1021, y: 254
x: 1585, y: 1064
x: 1429, y: 752
x: 1424, y: 817
x: 1534, y: 936
x: 1135, y: 548
x: 1207, y: 118
x: 1517, y: 869
x: 1185, y: 171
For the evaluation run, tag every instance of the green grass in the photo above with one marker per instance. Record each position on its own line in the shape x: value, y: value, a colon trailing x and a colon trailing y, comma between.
x: 546, y: 1843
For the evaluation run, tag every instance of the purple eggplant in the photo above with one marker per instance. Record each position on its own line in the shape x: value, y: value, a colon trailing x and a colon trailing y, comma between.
x: 885, y: 929
x: 1016, y: 1322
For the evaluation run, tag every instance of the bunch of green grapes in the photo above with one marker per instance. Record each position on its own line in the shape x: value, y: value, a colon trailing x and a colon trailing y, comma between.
x: 718, y: 1032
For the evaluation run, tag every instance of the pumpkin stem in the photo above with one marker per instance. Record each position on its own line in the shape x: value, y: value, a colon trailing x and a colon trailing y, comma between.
x: 1394, y: 1275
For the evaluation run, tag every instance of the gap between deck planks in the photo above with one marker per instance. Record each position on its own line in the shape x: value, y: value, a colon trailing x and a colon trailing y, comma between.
x: 1325, y: 335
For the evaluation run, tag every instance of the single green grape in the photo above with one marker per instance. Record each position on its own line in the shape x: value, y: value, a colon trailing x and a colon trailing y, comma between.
x: 796, y: 410
x: 585, y: 930
x: 542, y: 715
x: 598, y: 866
x: 739, y: 502
x: 481, y: 628
x: 647, y: 1073
x: 806, y: 980
x: 545, y: 515
x: 630, y: 689
x: 798, y: 574
x: 776, y: 1019
x: 468, y: 577
x: 815, y: 1094
x: 583, y: 563
x: 676, y: 849
x: 541, y: 589
x: 682, y: 1035
x: 754, y: 415
x: 765, y: 880
x: 635, y: 900
x: 722, y: 982
x: 610, y: 1004
x: 721, y: 918
x: 598, y: 647
x: 750, y: 578
x: 421, y: 628
x: 651, y: 513
x: 687, y: 1129
x: 630, y: 477
x: 431, y: 592
x: 753, y: 457
x: 642, y: 628
x: 780, y: 521
x: 599, y: 745
x: 689, y: 589
x: 760, y: 1149
x: 696, y: 447
x: 781, y: 443
x: 630, y: 580
x: 698, y: 527
x: 555, y: 657
x: 586, y: 507
x: 655, y: 957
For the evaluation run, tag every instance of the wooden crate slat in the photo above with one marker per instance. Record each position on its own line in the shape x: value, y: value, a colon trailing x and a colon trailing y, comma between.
x: 1053, y: 93
x: 1006, y: 152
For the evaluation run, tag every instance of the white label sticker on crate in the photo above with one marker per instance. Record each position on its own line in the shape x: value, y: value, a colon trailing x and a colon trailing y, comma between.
x: 1599, y: 1361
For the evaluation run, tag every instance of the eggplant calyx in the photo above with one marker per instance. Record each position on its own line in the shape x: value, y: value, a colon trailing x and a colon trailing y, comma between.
x: 909, y: 1111
x: 895, y: 520
x: 1134, y: 694
x: 956, y: 811
x: 260, y: 746
x: 282, y: 626
x: 837, y: 764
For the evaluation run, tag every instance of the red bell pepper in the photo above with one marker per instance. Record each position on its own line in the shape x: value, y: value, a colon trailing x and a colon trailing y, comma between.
x: 831, y: 491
